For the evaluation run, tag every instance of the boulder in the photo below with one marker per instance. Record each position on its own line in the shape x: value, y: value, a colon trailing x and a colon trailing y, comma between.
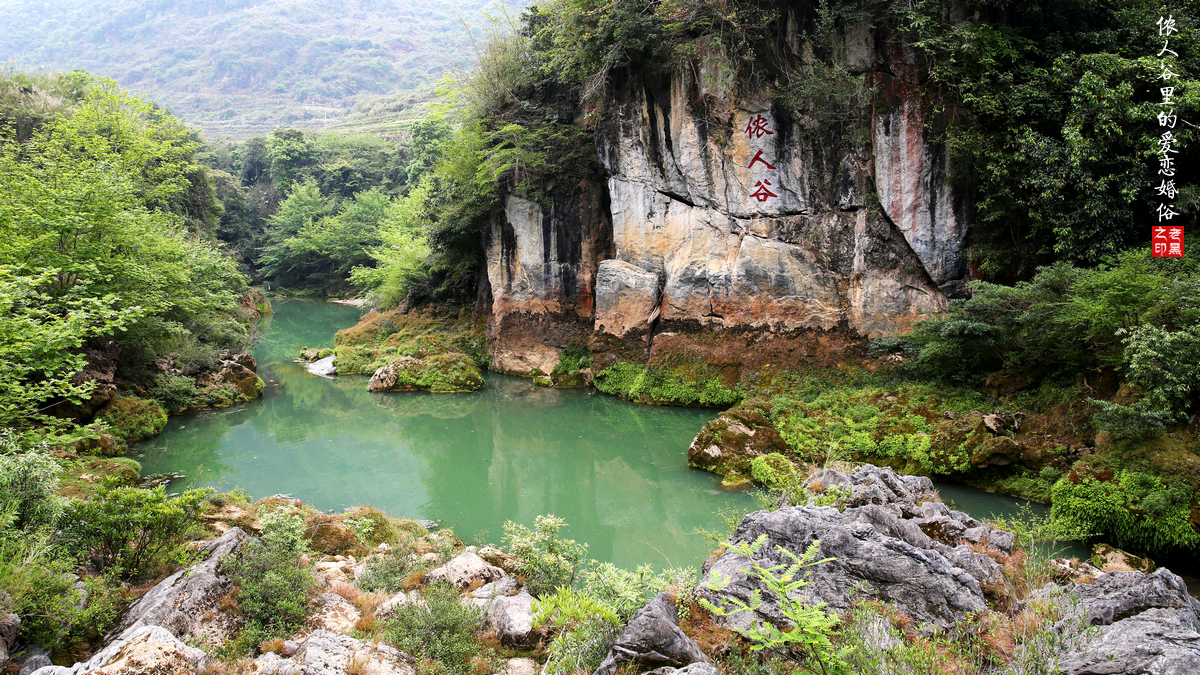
x: 327, y: 653
x: 653, y: 638
x: 866, y: 555
x: 35, y: 662
x: 693, y: 669
x: 140, y: 650
x: 511, y: 618
x: 322, y: 367
x: 1149, y: 624
x: 465, y: 570
x: 870, y: 484
x: 181, y: 603
x: 1112, y: 559
x: 389, y: 606
x: 1155, y: 642
x: 9, y: 625
x: 333, y: 613
x: 520, y: 667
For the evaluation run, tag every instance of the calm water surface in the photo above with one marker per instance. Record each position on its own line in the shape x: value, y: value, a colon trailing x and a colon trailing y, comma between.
x: 615, y: 471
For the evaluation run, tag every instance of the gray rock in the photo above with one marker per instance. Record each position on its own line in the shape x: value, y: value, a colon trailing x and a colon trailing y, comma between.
x: 693, y: 669
x: 626, y: 297
x: 502, y: 586
x: 466, y: 569
x: 323, y: 367
x: 520, y: 667
x: 327, y: 653
x: 1117, y: 595
x: 389, y: 606
x: 181, y: 602
x: 511, y: 617
x: 9, y: 625
x: 653, y: 637
x: 35, y: 663
x: 1155, y: 642
x: 429, y: 525
x: 140, y: 650
x: 921, y: 581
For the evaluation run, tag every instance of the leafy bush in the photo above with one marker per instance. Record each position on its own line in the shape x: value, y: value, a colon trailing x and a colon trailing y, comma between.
x: 1134, y: 510
x: 273, y: 587
x: 133, y: 529
x: 573, y: 359
x: 385, y: 573
x: 174, y: 392
x: 440, y: 630
x: 28, y: 487
x: 545, y: 561
x: 772, y: 469
x: 56, y: 614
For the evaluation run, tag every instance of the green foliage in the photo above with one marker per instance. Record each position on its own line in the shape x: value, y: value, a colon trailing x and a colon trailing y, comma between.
x: 134, y: 530
x: 174, y: 392
x: 273, y: 587
x: 399, y: 260
x: 385, y: 573
x: 808, y: 640
x: 772, y: 469
x: 1135, y: 510
x: 573, y: 359
x: 683, y: 384
x: 54, y: 613
x: 29, y: 483
x: 546, y: 561
x: 440, y: 629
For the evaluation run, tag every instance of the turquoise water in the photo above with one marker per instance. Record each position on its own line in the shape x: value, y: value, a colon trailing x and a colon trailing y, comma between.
x: 615, y: 471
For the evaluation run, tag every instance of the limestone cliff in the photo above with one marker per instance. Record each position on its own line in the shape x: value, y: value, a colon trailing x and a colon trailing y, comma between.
x: 725, y: 225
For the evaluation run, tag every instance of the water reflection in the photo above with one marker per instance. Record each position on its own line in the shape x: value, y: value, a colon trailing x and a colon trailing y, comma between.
x: 614, y: 470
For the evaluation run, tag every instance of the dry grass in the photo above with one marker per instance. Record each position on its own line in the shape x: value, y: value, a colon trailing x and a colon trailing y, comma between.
x: 366, y: 623
x: 699, y: 626
x: 348, y: 591
x: 358, y: 664
x: 414, y: 580
x: 274, y: 645
x: 229, y: 602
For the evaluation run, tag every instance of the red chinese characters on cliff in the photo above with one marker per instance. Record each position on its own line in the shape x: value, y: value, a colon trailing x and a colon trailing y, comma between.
x: 1167, y: 241
x: 756, y: 128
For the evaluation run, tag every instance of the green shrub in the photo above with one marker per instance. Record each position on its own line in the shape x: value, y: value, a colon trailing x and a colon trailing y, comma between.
x: 771, y: 470
x: 28, y: 487
x: 133, y: 529
x: 441, y: 630
x: 385, y: 573
x: 545, y: 561
x: 174, y: 392
x: 197, y: 358
x: 56, y: 615
x: 1135, y: 510
x: 573, y: 359
x: 273, y: 587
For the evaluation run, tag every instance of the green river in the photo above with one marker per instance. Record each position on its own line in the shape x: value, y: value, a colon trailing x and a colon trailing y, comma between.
x: 616, y: 471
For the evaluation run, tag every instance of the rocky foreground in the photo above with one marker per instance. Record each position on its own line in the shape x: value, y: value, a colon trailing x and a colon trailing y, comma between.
x: 894, y: 542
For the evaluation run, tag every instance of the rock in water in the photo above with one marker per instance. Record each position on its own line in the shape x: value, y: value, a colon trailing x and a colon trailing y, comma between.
x: 653, y: 637
x: 323, y: 367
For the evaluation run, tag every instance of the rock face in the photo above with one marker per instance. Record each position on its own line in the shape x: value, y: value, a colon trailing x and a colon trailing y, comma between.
x: 326, y: 653
x: 885, y: 545
x: 717, y: 207
x: 141, y: 650
x: 1149, y: 625
x: 653, y: 637
x: 181, y: 602
x: 511, y: 618
x: 322, y: 367
x: 9, y: 625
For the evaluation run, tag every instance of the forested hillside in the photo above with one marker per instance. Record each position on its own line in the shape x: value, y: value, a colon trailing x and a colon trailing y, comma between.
x: 236, y: 68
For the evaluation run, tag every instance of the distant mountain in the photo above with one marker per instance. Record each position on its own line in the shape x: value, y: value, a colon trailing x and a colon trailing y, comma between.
x: 237, y: 68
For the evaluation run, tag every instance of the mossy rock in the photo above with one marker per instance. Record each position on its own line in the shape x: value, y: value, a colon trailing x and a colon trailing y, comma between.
x: 686, y: 383
x: 728, y: 444
x: 134, y: 419
x: 328, y: 535
x: 772, y: 469
x: 439, y: 374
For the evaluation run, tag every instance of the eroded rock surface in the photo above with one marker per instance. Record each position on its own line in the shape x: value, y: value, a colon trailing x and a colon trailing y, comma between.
x: 181, y: 603
x: 653, y: 637
x: 140, y: 650
x: 327, y: 653
x: 464, y: 570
